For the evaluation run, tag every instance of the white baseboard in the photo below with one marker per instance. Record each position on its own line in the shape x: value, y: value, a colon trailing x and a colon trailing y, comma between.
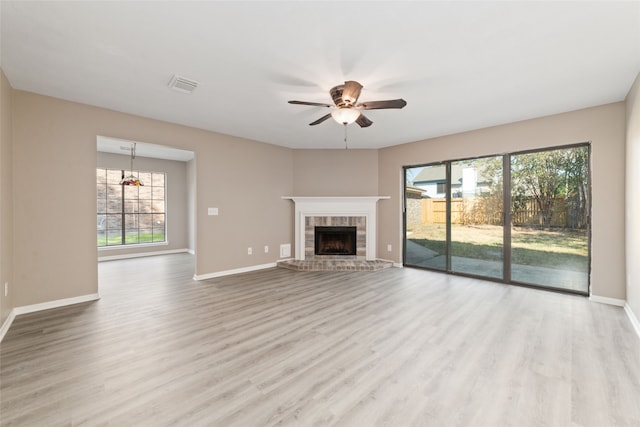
x: 191, y: 251
x: 234, y: 271
x: 607, y: 300
x: 43, y: 306
x: 141, y: 254
x: 632, y: 318
x: 55, y: 304
x: 7, y: 324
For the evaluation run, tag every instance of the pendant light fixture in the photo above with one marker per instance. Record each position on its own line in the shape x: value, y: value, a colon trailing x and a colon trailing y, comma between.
x: 132, y: 180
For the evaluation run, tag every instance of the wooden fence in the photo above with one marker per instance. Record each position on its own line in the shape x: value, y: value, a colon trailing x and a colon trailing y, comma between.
x: 488, y: 210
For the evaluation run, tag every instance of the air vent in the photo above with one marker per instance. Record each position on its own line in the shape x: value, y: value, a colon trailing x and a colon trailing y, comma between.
x: 182, y: 84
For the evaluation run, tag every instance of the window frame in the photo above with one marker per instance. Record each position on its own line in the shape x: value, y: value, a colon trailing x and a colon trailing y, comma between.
x: 124, y: 213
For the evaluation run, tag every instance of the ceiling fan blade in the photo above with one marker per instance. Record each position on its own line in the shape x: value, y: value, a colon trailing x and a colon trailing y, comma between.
x: 320, y: 120
x: 315, y: 104
x: 351, y: 92
x: 363, y: 121
x: 380, y: 105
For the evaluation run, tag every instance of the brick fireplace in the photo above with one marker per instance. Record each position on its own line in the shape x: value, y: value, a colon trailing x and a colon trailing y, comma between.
x: 359, y: 212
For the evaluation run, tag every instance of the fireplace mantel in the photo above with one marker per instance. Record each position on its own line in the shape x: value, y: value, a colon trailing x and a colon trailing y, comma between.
x: 306, y: 206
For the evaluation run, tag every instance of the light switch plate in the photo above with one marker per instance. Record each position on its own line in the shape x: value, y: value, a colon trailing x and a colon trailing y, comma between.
x: 213, y: 211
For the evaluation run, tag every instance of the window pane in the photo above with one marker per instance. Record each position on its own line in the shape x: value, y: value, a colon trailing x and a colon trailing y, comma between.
x: 145, y: 177
x: 131, y: 206
x: 158, y: 228
x: 114, y: 191
x: 101, y: 205
x: 145, y: 206
x: 114, y: 222
x: 426, y: 219
x: 158, y: 235
x: 158, y: 193
x: 130, y: 192
x: 102, y: 222
x: 146, y: 221
x: 476, y: 217
x: 101, y: 191
x: 114, y: 176
x: 131, y: 237
x: 158, y: 180
x: 114, y: 205
x: 101, y: 176
x: 130, y: 222
x: 102, y: 238
x: 550, y: 209
x: 144, y: 192
x: 158, y: 206
x: 146, y: 235
x: 114, y: 237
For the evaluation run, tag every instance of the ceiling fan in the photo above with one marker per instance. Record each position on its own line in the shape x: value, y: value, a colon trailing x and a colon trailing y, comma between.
x: 346, y: 109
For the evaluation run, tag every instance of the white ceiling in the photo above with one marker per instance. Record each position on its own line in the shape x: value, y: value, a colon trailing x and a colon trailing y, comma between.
x: 459, y: 65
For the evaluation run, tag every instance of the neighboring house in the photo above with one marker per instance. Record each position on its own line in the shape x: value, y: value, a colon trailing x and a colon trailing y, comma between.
x: 465, y: 181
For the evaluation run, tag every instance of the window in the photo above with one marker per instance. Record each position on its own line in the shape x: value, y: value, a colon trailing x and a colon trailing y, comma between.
x: 129, y: 215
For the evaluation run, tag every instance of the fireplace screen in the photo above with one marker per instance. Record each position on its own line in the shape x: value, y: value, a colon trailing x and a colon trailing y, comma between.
x: 335, y: 240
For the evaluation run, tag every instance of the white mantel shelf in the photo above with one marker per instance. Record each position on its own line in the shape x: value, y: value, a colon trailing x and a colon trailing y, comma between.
x: 336, y: 206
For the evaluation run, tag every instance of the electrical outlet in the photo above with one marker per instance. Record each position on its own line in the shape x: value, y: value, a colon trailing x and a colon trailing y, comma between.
x: 249, y: 251
x: 6, y: 288
x: 266, y: 249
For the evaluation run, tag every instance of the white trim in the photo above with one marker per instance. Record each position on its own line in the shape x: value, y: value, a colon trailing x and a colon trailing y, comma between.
x: 141, y: 254
x: 131, y: 246
x: 43, y: 306
x: 398, y: 265
x: 191, y: 251
x: 607, y: 300
x: 234, y: 271
x: 7, y: 324
x: 365, y: 206
x: 632, y: 317
x: 55, y: 304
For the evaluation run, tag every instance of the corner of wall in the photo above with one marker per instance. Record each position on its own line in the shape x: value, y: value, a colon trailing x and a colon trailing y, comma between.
x: 6, y: 202
x: 632, y: 200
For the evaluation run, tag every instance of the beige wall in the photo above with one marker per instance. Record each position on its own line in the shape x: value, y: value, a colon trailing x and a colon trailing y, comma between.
x: 55, y: 158
x: 633, y: 198
x: 604, y: 126
x: 177, y: 208
x: 6, y: 199
x: 335, y: 172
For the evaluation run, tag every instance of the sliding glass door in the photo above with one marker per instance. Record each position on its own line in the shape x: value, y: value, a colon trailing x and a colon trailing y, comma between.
x: 477, y: 217
x: 550, y: 218
x: 426, y: 216
x: 455, y: 217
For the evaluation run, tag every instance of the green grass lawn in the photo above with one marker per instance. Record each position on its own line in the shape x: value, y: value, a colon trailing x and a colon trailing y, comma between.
x: 142, y: 238
x: 553, y: 248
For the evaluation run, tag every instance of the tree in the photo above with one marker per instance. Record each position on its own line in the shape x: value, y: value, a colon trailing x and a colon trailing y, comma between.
x: 550, y: 175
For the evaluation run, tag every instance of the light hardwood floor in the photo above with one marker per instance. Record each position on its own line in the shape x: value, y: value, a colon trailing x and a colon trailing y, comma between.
x: 396, y: 347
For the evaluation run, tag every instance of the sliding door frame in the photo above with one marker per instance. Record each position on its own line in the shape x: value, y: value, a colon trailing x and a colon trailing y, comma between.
x: 507, y: 218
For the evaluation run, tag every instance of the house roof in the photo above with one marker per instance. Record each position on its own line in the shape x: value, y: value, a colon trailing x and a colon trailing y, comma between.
x: 459, y: 65
x: 436, y: 174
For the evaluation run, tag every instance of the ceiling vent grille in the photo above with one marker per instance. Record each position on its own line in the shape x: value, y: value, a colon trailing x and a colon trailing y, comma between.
x: 182, y: 84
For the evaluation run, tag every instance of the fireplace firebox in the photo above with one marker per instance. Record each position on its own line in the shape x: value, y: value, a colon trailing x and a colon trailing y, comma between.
x: 335, y: 240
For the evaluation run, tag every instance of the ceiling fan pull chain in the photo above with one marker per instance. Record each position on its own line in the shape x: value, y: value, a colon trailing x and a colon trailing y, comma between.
x: 345, y: 136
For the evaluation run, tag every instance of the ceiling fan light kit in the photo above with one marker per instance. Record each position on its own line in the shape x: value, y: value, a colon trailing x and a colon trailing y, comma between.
x: 346, y: 110
x: 345, y: 115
